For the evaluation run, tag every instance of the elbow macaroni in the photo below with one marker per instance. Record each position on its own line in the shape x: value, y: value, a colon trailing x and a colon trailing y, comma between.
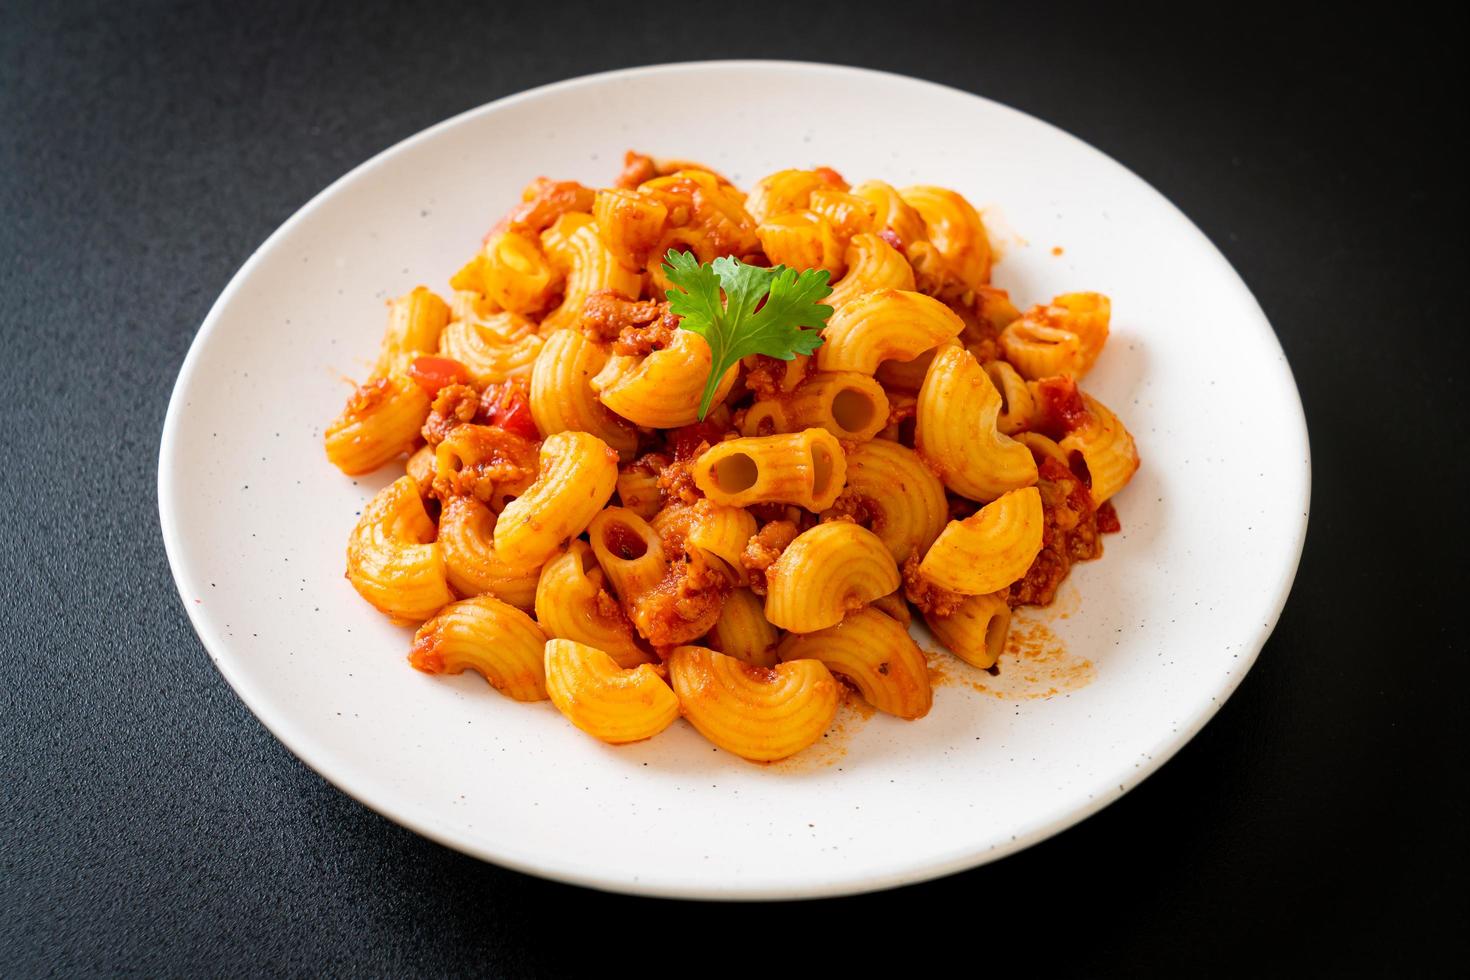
x: 484, y: 634
x: 806, y: 468
x: 718, y: 532
x: 758, y: 713
x: 638, y: 490
x: 872, y: 264
x: 468, y: 462
x: 884, y: 325
x: 1062, y: 338
x: 743, y: 632
x: 605, y: 700
x: 515, y: 273
x: 414, y: 323
x: 381, y: 422
x: 494, y: 348
x: 876, y: 654
x: 1106, y: 447
x: 848, y: 214
x: 955, y: 430
x: 849, y: 405
x: 904, y: 501
x: 801, y: 240
x: 908, y: 376
x: 976, y: 631
x: 393, y: 560
x: 629, y: 552
x: 630, y: 224
x: 632, y: 555
x: 1017, y: 406
x: 827, y: 572
x: 990, y: 549
x: 574, y: 246
x: 467, y: 537
x: 562, y: 399
x: 661, y: 389
x: 572, y: 604
x: 891, y: 211
x: 782, y: 192
x: 955, y: 230
x: 578, y: 473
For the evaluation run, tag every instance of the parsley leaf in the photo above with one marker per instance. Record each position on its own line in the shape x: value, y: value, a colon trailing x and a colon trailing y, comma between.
x: 732, y: 325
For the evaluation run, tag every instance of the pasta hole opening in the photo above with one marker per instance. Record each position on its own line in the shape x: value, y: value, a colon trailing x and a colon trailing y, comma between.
x: 736, y: 472
x: 515, y: 258
x: 853, y: 410
x: 762, y: 419
x: 623, y: 542
x: 1000, y: 389
x: 821, y: 470
x: 995, y: 637
x: 587, y: 561
x: 722, y: 566
x: 1077, y: 463
x: 1046, y: 336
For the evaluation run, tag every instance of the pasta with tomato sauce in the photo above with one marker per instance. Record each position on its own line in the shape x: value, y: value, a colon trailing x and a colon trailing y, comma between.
x: 678, y: 449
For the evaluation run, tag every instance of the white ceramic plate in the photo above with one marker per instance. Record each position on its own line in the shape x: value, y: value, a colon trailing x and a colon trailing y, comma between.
x: 255, y: 520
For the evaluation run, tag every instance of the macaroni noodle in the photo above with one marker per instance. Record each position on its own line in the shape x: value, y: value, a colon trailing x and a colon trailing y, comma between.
x: 605, y: 700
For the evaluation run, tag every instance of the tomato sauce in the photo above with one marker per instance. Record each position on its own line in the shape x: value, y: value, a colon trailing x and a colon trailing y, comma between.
x: 434, y: 373
x: 688, y: 441
x: 1069, y: 534
x: 508, y: 407
x: 545, y: 201
x: 1061, y: 408
x: 623, y: 541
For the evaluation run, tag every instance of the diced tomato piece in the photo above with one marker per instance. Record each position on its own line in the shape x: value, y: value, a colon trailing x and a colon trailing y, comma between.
x: 508, y: 407
x: 1107, y: 518
x: 1062, y: 407
x: 433, y: 373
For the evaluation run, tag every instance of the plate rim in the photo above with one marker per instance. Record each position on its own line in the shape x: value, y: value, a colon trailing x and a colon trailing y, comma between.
x: 669, y: 886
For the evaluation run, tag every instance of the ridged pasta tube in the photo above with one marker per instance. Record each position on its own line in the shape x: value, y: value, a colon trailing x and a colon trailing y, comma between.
x: 492, y: 637
x: 827, y: 572
x: 393, y: 560
x: 991, y: 548
x: 876, y: 654
x: 577, y: 476
x: 606, y: 701
x: 758, y: 713
x: 955, y: 430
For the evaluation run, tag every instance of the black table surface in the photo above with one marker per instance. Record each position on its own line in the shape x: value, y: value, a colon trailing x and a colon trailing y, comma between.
x: 149, y: 823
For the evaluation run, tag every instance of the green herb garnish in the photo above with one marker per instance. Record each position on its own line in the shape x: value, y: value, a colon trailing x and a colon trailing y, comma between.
x: 787, y: 324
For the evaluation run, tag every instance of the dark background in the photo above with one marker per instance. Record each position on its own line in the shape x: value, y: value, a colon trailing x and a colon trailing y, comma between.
x: 149, y: 823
